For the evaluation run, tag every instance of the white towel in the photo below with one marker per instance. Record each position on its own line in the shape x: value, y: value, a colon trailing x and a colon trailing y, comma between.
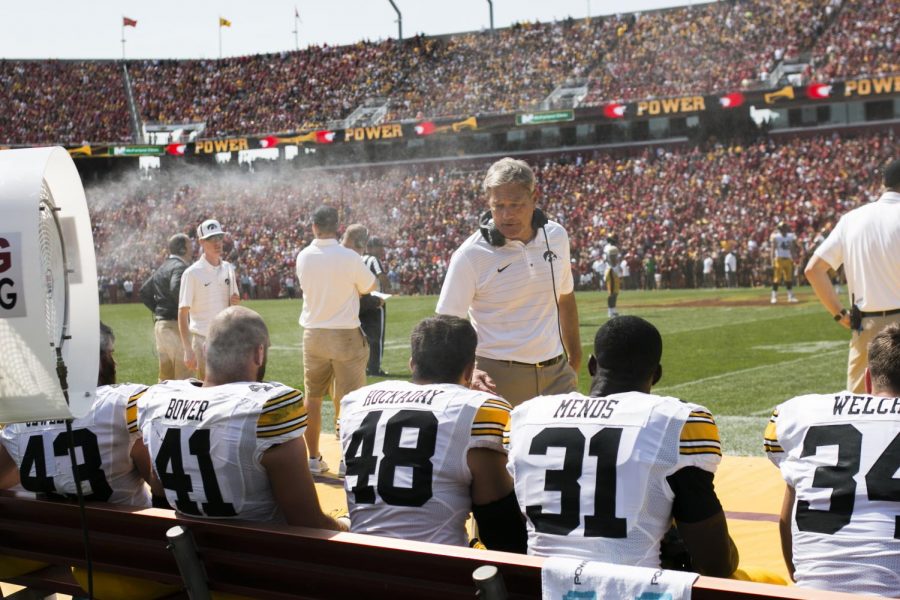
x: 574, y: 579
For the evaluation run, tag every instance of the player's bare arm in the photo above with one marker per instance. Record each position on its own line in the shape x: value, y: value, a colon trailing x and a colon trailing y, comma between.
x: 711, y: 548
x: 9, y: 472
x: 292, y: 484
x: 784, y: 529
x: 500, y: 523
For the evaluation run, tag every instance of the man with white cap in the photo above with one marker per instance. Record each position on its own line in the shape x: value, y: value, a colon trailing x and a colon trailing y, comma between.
x: 208, y: 287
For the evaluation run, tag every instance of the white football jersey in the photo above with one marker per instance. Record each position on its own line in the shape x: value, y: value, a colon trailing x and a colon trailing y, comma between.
x: 783, y: 244
x: 841, y: 453
x: 590, y: 473
x: 206, y: 443
x: 405, y: 447
x: 102, y: 448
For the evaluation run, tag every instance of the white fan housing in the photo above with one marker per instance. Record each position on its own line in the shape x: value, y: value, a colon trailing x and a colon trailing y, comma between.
x: 48, y: 287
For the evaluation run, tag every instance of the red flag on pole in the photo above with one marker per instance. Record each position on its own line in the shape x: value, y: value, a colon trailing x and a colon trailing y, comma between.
x: 126, y: 22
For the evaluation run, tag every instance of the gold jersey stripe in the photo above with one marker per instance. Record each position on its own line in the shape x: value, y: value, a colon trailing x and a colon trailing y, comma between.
x: 484, y: 432
x: 699, y: 431
x: 289, y: 394
x: 771, y: 433
x: 131, y: 416
x: 281, y: 415
x: 700, y: 450
x: 773, y: 448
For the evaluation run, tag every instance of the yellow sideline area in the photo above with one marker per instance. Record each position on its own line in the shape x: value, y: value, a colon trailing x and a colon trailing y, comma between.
x: 750, y: 489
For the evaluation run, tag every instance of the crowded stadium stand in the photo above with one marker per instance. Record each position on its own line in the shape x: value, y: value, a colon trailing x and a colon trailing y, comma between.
x: 698, y: 49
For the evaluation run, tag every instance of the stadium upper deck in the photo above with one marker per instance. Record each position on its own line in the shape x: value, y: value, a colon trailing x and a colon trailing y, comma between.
x: 699, y: 49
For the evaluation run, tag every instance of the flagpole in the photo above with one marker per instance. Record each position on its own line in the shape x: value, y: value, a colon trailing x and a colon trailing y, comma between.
x: 220, y: 36
x: 123, y: 37
x: 296, y: 29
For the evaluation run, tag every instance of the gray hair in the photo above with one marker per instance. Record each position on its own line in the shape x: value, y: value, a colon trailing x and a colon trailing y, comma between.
x: 508, y: 170
x: 355, y: 236
x: 234, y: 335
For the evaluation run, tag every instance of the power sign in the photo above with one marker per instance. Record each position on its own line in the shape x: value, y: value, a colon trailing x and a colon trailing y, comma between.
x: 12, y: 304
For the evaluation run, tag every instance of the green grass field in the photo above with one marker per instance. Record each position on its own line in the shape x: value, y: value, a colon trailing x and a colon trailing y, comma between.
x: 729, y: 350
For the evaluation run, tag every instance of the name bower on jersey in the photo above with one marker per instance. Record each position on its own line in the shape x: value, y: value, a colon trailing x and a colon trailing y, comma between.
x: 206, y: 444
x: 590, y: 473
x: 405, y: 447
x: 841, y: 454
x: 102, y: 450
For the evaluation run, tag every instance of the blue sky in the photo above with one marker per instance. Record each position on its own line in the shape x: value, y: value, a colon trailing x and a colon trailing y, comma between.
x: 189, y: 29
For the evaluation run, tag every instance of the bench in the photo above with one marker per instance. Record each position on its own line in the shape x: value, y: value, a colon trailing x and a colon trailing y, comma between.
x: 280, y: 562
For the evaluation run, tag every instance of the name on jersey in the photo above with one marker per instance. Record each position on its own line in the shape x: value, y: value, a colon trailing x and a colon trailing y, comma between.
x: 866, y: 405
x: 190, y: 410
x: 584, y: 408
x: 401, y: 396
x: 45, y: 423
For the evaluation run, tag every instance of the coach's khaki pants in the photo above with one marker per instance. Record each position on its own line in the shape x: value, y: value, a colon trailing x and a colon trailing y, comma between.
x: 170, y: 351
x: 518, y: 383
x: 859, y: 351
x: 337, y: 356
x: 198, y: 345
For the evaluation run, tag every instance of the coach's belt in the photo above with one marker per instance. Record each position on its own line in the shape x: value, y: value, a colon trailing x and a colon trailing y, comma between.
x: 880, y: 313
x: 544, y: 363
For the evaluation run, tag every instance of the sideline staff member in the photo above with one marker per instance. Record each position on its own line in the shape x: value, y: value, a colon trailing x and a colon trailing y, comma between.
x: 335, y: 350
x: 207, y: 288
x: 867, y: 242
x: 160, y: 294
x: 504, y: 277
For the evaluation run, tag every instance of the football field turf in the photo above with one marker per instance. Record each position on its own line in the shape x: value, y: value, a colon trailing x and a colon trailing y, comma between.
x: 729, y: 350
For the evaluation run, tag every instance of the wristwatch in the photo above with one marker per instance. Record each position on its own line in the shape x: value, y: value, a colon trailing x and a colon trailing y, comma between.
x: 840, y: 315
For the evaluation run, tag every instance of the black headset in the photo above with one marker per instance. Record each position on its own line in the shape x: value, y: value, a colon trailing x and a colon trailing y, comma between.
x: 492, y: 235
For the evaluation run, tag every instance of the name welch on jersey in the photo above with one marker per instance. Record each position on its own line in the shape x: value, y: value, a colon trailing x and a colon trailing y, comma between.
x: 866, y: 405
x: 401, y: 396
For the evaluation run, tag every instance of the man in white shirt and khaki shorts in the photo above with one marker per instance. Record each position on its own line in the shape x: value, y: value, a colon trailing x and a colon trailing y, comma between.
x: 335, y: 349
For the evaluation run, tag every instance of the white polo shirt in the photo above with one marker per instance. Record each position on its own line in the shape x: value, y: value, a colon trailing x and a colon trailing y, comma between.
x: 332, y: 278
x: 207, y: 291
x: 508, y: 295
x: 867, y: 242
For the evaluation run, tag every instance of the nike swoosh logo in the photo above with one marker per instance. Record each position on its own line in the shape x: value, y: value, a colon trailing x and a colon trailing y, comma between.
x: 501, y: 269
x: 205, y: 285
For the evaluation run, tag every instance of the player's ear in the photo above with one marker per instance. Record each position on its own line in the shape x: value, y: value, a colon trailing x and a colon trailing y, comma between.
x: 868, y: 381
x: 592, y: 365
x: 658, y: 375
x: 467, y: 374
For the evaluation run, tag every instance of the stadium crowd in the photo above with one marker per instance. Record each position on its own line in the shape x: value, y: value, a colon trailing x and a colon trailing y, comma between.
x: 695, y: 49
x: 671, y: 209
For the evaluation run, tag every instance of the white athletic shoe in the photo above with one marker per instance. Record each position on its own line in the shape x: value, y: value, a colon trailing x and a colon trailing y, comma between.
x: 792, y: 298
x: 774, y: 298
x: 317, y: 466
x: 342, y: 469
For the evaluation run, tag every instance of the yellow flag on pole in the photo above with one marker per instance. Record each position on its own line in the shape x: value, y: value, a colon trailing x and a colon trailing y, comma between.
x: 224, y: 22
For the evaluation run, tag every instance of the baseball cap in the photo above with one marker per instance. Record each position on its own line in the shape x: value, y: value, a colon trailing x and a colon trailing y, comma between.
x: 208, y: 229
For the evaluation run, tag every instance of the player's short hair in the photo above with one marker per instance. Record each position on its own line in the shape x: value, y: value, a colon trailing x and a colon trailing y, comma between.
x: 235, y: 333
x: 356, y: 235
x: 178, y: 244
x: 443, y: 347
x: 107, y: 338
x: 884, y: 359
x: 508, y: 170
x: 892, y: 174
x: 628, y: 348
x: 326, y: 219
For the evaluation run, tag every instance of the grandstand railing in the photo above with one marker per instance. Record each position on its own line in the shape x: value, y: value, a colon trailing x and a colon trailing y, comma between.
x: 279, y: 562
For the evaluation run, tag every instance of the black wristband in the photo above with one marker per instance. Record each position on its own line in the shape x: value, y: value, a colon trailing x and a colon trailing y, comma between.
x: 840, y: 315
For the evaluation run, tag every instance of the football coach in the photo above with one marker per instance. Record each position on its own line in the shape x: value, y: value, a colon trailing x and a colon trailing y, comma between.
x: 514, y: 281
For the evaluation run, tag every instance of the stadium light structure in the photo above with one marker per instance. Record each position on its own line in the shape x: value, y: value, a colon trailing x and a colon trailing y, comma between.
x: 491, y: 13
x: 399, y: 21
